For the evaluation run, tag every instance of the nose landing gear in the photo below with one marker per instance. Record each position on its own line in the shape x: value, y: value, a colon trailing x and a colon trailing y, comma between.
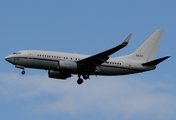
x: 20, y: 67
x: 23, y: 72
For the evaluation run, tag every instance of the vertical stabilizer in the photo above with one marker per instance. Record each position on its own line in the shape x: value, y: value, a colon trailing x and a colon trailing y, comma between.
x: 147, y: 51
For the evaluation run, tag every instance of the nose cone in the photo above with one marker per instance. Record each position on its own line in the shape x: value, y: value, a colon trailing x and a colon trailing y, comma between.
x: 9, y: 58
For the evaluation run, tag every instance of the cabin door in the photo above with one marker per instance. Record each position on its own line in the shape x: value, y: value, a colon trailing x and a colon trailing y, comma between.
x: 129, y: 64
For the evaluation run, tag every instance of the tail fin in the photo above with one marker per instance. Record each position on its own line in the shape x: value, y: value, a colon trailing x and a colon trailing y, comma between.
x: 147, y: 51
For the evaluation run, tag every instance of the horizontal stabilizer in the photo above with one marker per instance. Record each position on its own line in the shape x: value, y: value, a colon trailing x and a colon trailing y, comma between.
x: 155, y: 62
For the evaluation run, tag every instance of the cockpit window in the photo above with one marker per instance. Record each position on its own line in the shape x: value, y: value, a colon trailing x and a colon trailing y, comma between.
x: 17, y: 53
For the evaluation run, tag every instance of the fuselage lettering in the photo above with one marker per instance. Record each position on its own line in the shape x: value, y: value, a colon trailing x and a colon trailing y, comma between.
x: 139, y: 55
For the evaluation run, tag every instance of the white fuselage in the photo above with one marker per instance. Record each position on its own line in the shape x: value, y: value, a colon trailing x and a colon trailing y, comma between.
x: 48, y: 60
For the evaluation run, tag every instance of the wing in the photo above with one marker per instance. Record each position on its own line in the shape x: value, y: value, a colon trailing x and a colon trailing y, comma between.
x: 92, y: 62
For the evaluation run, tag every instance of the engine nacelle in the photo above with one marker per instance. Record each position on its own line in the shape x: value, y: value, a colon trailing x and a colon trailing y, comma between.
x: 68, y: 66
x: 58, y: 75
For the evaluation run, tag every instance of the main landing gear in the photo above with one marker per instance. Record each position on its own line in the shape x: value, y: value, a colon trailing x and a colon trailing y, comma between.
x: 80, y: 80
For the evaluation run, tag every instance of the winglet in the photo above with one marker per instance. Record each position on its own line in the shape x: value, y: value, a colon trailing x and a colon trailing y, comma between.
x: 127, y: 39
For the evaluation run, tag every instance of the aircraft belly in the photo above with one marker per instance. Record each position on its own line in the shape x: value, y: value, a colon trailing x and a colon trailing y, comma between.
x: 38, y: 64
x: 103, y: 70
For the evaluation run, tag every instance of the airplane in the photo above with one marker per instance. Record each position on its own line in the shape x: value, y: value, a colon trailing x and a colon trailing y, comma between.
x: 61, y: 65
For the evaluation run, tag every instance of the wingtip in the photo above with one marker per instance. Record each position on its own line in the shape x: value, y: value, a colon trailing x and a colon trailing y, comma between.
x: 126, y: 41
x: 168, y: 57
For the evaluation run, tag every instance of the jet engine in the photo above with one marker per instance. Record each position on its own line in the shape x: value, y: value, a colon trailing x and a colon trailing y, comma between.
x: 58, y: 75
x: 67, y: 66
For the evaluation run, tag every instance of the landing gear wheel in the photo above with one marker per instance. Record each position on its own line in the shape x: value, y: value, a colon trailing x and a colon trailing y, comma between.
x: 23, y: 72
x: 86, y: 76
x: 80, y: 81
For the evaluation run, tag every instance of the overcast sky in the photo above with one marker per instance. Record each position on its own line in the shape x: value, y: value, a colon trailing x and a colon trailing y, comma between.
x: 87, y: 28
